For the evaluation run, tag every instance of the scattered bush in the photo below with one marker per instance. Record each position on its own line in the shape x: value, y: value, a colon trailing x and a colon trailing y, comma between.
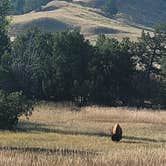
x: 12, y: 106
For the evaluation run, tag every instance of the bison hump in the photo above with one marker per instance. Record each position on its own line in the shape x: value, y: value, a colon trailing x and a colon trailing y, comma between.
x: 117, y: 129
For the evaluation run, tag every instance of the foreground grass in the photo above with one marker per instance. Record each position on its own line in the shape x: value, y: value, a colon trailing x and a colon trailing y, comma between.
x: 125, y: 158
x: 57, y: 135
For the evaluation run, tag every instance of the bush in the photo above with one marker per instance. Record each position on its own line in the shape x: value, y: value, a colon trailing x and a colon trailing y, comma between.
x: 12, y: 106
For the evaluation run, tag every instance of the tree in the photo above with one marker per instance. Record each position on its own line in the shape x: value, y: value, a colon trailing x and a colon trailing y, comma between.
x: 12, y: 106
x: 23, y: 6
x: 164, y: 66
x: 50, y: 66
x: 31, y: 64
x: 4, y: 39
x: 111, y: 71
x: 110, y: 7
x: 150, y: 50
x: 161, y: 29
x: 20, y: 6
x: 71, y: 58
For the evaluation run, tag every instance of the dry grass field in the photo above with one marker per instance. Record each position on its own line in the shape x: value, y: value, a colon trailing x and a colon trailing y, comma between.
x: 61, y: 15
x: 56, y: 134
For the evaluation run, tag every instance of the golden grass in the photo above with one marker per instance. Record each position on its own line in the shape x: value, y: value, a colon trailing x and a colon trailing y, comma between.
x: 88, y: 19
x: 57, y: 135
x: 125, y: 158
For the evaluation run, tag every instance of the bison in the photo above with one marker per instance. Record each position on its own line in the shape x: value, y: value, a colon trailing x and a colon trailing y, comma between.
x: 116, y: 133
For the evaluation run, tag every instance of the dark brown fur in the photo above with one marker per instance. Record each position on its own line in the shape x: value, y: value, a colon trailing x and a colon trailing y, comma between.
x: 116, y: 133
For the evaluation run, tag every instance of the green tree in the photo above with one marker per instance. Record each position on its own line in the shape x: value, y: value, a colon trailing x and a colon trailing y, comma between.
x: 161, y: 29
x: 111, y: 71
x: 151, y: 50
x: 12, y: 106
x: 71, y: 56
x: 48, y: 66
x: 110, y: 7
x: 31, y: 64
x: 4, y: 39
x: 24, y: 6
x: 20, y: 6
x: 164, y: 66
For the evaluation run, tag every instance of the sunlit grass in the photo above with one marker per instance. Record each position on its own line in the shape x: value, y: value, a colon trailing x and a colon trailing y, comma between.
x: 57, y: 135
x: 84, y: 18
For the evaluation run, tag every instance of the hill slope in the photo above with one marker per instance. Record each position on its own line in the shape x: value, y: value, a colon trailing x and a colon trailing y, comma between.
x: 60, y: 15
x: 146, y: 12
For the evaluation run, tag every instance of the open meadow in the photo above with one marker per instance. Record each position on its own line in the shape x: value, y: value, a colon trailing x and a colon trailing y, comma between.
x: 59, y: 134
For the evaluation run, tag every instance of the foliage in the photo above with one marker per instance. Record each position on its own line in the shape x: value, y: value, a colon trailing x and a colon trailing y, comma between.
x: 164, y: 65
x: 112, y: 69
x: 4, y: 39
x: 31, y: 63
x: 51, y: 66
x: 149, y: 51
x: 24, y: 6
x: 161, y: 29
x: 110, y: 7
x: 63, y: 66
x: 12, y: 106
x: 71, y: 58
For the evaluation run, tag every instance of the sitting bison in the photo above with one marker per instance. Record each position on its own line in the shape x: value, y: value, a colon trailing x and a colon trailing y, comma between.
x: 116, y: 133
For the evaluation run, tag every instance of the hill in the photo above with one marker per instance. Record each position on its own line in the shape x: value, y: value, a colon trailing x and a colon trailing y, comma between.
x: 145, y: 12
x: 61, y: 15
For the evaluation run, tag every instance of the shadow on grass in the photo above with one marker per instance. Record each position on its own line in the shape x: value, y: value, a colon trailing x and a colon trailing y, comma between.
x: 34, y: 127
x: 132, y: 142
x: 130, y: 139
x: 57, y: 151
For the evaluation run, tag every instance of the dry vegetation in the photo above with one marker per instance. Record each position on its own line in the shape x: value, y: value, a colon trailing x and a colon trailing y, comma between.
x: 60, y: 15
x: 58, y: 135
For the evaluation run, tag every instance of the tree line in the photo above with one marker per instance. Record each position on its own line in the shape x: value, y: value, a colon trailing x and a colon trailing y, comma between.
x: 25, y: 6
x: 64, y: 66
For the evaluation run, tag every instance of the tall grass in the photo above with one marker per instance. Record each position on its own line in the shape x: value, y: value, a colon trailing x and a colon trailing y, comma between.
x: 141, y: 157
x: 56, y: 134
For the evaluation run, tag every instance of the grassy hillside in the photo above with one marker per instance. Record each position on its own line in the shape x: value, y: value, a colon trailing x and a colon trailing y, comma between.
x: 60, y: 15
x: 57, y: 135
x: 145, y: 12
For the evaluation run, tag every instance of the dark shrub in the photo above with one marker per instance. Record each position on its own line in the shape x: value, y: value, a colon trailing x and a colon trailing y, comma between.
x: 12, y: 106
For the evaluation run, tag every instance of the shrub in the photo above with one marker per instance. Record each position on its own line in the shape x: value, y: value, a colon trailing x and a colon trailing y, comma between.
x: 12, y: 106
